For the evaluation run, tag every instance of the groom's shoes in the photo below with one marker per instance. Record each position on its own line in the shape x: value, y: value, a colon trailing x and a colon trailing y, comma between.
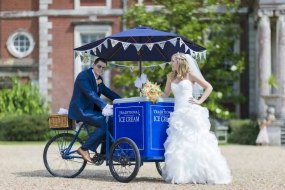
x: 85, y: 154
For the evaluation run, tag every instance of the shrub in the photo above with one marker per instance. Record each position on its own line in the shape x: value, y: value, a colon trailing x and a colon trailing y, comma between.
x: 243, y: 131
x: 21, y: 99
x: 24, y: 128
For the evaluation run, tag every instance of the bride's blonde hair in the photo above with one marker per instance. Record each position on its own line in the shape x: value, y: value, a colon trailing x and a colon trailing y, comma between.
x: 183, y: 67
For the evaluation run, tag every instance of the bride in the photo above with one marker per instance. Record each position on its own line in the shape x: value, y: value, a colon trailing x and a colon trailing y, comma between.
x: 191, y: 154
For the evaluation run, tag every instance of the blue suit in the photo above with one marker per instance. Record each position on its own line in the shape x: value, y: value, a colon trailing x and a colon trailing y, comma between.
x: 86, y: 106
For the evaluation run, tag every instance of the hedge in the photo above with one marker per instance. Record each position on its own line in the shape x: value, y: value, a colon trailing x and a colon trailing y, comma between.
x: 24, y: 128
x: 243, y: 131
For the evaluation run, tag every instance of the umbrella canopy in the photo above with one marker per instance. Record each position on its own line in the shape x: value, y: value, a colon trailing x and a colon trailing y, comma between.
x: 141, y: 44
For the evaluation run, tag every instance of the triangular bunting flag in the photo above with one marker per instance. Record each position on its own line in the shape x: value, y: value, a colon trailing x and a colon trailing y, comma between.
x: 138, y: 46
x: 186, y: 48
x: 99, y: 47
x: 114, y: 42
x: 85, y: 58
x: 125, y: 45
x: 152, y: 68
x: 205, y: 56
x: 121, y: 68
x: 105, y: 43
x: 162, y: 65
x: 161, y: 44
x: 181, y: 42
x: 94, y: 50
x: 111, y: 65
x: 131, y: 68
x: 173, y: 41
x: 150, y: 46
x: 75, y: 54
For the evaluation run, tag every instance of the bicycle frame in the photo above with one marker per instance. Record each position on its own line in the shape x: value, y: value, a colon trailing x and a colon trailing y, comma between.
x: 67, y: 154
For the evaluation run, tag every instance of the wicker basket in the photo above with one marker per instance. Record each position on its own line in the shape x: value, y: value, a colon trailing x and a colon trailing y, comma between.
x: 58, y: 121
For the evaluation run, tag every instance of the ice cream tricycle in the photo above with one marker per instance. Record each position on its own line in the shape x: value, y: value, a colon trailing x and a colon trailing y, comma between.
x: 138, y: 134
x: 139, y: 126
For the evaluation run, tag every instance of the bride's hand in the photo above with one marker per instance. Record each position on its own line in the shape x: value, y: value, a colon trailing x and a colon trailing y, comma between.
x: 194, y: 101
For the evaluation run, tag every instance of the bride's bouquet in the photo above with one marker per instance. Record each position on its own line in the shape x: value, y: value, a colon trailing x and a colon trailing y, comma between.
x: 151, y: 91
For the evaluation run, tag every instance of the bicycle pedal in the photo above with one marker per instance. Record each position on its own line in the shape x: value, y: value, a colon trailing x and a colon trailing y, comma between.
x: 98, y: 159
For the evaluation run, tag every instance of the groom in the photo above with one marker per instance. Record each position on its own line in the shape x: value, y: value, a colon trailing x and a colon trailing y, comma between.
x: 87, y: 106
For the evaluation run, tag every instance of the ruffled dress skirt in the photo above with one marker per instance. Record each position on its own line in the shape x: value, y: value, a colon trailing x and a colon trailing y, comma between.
x: 192, y: 154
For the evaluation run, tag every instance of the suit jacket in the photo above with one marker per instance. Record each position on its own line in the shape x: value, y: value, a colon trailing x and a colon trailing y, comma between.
x: 86, y: 101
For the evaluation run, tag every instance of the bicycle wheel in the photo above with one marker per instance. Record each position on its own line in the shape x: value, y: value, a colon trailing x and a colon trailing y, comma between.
x: 58, y: 162
x: 124, y: 160
x: 159, y: 166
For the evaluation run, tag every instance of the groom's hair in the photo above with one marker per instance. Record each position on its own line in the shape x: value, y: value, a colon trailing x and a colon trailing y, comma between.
x: 100, y: 59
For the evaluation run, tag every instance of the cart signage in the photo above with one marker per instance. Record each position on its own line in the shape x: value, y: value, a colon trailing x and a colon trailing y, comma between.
x: 129, y: 122
x: 132, y: 116
x: 159, y: 114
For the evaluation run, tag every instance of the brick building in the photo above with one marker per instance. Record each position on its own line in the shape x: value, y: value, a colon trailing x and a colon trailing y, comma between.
x: 37, y: 38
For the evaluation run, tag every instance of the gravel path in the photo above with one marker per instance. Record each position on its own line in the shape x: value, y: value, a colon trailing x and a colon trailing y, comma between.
x: 22, y: 168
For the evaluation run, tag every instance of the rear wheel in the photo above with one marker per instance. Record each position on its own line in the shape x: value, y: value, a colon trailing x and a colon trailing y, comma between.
x: 124, y: 160
x: 58, y: 161
x: 159, y: 166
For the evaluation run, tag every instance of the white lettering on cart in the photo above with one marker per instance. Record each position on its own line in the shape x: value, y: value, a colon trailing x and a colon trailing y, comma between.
x: 130, y: 119
x: 161, y: 115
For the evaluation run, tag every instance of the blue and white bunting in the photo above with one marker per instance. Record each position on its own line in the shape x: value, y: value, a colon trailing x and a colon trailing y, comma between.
x: 173, y: 41
x: 150, y: 46
x: 138, y: 46
x: 162, y: 44
x: 181, y: 42
x: 99, y: 47
x: 125, y: 45
x: 114, y: 42
x: 105, y: 43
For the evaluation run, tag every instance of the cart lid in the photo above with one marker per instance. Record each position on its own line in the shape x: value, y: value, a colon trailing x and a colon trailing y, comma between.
x: 141, y: 99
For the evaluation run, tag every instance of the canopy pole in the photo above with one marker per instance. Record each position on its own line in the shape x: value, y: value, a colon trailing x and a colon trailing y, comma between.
x: 140, y: 69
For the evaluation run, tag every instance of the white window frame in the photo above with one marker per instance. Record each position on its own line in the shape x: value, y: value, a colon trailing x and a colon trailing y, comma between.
x: 12, y: 49
x: 108, y: 5
x: 87, y: 29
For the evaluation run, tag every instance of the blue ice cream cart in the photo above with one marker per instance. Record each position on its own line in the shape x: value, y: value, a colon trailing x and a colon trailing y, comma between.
x: 139, y: 131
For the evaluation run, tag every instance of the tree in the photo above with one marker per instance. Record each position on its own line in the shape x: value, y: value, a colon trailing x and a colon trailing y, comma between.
x: 213, y: 24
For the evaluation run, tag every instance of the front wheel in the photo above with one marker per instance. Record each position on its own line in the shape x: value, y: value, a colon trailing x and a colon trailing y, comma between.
x: 59, y: 161
x: 124, y: 160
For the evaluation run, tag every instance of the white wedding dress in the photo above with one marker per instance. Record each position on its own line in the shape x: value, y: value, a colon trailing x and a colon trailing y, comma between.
x: 192, y: 154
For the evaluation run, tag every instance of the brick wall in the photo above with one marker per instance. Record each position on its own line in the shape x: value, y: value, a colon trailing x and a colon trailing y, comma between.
x: 19, y: 5
x: 66, y: 4
x: 9, y: 26
x: 62, y: 61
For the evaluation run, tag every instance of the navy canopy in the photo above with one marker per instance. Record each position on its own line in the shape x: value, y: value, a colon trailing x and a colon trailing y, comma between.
x: 141, y: 44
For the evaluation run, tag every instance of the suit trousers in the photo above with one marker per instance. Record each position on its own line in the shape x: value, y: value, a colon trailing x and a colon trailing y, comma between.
x: 97, y: 136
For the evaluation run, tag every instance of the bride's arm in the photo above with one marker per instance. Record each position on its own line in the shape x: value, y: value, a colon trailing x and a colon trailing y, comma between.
x: 167, y: 88
x: 205, y: 84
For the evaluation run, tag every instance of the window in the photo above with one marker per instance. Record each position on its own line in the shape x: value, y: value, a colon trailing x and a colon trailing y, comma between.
x: 91, y: 4
x: 85, y: 34
x: 20, y: 44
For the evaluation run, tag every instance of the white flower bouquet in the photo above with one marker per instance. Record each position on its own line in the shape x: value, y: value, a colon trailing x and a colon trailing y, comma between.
x: 151, y: 91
